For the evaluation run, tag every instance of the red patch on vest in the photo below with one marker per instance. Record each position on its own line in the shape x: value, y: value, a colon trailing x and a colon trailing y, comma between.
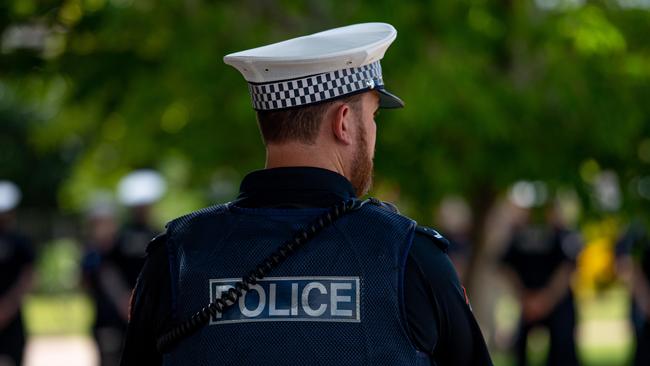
x: 465, y: 294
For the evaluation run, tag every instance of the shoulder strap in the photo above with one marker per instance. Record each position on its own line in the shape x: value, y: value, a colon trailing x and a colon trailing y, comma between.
x: 430, y: 233
x: 435, y: 236
x: 156, y: 242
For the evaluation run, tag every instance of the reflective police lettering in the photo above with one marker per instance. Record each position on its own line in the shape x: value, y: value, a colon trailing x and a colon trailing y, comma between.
x: 328, y: 299
x: 305, y: 299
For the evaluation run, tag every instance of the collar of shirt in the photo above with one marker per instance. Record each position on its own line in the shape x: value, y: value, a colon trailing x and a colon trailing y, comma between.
x: 294, y: 187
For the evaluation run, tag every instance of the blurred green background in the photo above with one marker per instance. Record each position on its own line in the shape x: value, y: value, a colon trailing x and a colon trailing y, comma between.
x: 495, y: 91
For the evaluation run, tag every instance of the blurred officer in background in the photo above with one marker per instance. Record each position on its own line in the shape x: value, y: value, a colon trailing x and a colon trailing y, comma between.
x: 454, y: 217
x: 369, y: 287
x: 539, y: 261
x: 109, y: 324
x: 114, y: 272
x: 633, y: 252
x: 16, y: 275
x: 137, y: 191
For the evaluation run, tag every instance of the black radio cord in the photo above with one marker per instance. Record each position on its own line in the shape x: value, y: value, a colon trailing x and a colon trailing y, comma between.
x: 169, y: 339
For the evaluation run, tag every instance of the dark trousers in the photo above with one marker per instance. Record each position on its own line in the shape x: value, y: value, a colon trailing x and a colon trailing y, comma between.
x: 12, y: 341
x: 561, y: 325
x: 642, y: 333
x: 109, y: 343
x: 642, y: 353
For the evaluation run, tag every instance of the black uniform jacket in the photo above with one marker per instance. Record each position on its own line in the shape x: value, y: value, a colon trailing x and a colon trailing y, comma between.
x: 439, y: 318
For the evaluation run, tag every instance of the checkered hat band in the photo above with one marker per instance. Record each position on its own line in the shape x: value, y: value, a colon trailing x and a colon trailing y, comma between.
x: 315, y: 88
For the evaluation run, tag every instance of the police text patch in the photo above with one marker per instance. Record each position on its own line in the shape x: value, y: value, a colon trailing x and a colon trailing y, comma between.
x: 325, y: 299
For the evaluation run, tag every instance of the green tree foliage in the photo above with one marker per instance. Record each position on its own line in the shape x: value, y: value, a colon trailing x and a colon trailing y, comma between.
x: 495, y: 91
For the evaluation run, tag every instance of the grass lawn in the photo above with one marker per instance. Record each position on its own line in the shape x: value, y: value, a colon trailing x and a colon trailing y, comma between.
x: 69, y: 314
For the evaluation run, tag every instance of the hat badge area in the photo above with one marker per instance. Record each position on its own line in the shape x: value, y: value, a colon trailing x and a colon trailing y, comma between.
x: 318, y: 67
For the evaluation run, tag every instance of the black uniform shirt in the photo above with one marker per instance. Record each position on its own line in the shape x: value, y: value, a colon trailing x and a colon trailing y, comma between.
x: 15, y: 255
x: 106, y: 312
x: 439, y: 318
x: 635, y: 242
x: 535, y: 252
x: 128, y: 253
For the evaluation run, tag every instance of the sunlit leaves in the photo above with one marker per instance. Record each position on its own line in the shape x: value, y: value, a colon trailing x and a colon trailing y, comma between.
x: 495, y: 91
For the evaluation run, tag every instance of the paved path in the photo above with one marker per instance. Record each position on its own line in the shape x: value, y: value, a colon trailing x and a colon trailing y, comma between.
x: 60, y: 351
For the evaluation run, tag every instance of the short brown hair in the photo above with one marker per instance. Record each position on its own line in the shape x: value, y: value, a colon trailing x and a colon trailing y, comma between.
x: 298, y: 124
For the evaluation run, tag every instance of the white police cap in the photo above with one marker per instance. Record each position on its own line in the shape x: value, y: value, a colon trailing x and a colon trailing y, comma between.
x: 141, y: 187
x: 100, y: 205
x: 10, y: 196
x: 317, y: 67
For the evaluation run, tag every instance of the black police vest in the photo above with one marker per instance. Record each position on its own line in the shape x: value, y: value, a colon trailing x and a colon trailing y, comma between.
x: 336, y: 301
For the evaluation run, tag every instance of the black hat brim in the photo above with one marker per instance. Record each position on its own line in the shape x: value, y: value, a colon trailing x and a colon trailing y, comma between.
x: 388, y: 99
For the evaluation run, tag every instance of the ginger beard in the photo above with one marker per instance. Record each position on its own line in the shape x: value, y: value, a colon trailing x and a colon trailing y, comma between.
x: 361, y: 175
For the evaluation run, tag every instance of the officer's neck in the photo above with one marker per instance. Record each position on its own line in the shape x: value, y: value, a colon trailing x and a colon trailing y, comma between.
x: 303, y: 155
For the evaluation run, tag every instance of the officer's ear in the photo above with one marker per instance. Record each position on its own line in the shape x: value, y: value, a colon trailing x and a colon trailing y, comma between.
x: 341, y: 123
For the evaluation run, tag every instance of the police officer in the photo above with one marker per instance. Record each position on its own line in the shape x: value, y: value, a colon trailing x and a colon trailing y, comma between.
x: 110, y: 321
x: 362, y: 285
x: 539, y: 262
x: 137, y: 191
x: 112, y: 273
x: 16, y: 262
x: 633, y: 254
